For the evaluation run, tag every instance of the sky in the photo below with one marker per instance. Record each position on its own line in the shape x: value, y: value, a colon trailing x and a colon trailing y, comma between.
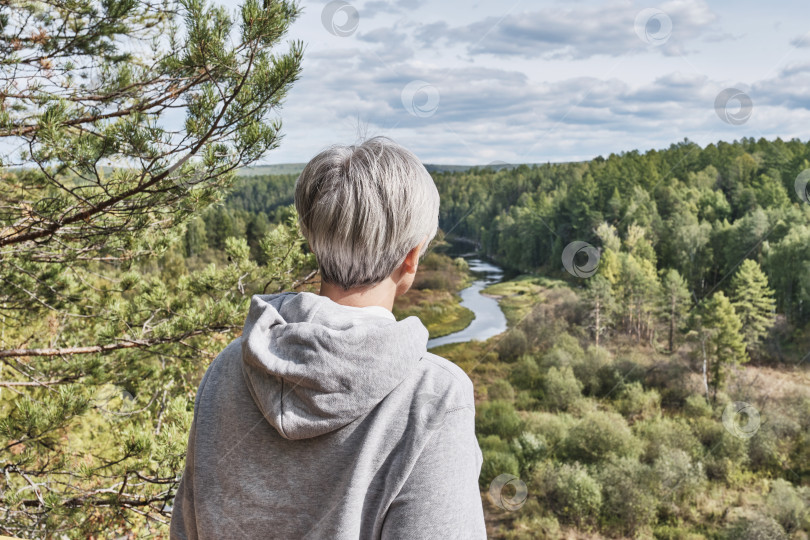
x: 531, y: 81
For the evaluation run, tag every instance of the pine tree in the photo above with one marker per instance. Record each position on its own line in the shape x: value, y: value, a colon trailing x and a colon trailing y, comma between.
x: 101, y: 351
x: 674, y: 300
x: 722, y: 343
x: 754, y: 302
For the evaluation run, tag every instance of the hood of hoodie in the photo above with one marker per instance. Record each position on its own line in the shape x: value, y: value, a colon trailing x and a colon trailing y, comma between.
x: 313, y: 365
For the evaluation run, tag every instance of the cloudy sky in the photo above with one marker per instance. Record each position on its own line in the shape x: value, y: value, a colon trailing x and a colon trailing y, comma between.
x: 527, y: 81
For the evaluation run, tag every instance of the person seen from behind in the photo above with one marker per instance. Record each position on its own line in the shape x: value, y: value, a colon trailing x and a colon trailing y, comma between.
x: 327, y: 418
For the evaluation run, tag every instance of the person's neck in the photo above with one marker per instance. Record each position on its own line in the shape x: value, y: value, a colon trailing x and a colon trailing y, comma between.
x: 381, y: 294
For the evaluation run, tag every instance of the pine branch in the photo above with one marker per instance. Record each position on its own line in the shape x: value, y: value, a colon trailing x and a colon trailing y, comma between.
x: 127, y: 344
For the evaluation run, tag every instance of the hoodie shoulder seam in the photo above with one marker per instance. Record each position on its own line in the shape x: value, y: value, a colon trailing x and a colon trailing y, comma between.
x: 457, y: 409
x: 458, y: 381
x: 427, y: 357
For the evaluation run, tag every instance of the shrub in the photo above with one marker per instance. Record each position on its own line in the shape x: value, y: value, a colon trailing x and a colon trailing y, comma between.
x: 497, y: 463
x: 786, y: 506
x: 571, y: 493
x: 591, y: 365
x: 726, y: 453
x: 501, y: 390
x: 512, y: 345
x: 671, y: 380
x: 561, y: 388
x: 435, y: 280
x: 433, y: 261
x: 671, y: 532
x: 533, y: 524
x: 800, y: 457
x: 616, y: 375
x: 565, y: 352
x: 461, y: 264
x: 525, y: 401
x: 769, y: 449
x: 598, y: 436
x: 678, y: 479
x: 696, y: 406
x: 584, y: 406
x: 529, y: 448
x: 566, y: 304
x: 659, y: 434
x: 498, y: 418
x: 553, y: 428
x: 541, y: 328
x: 526, y: 374
x: 493, y: 443
x: 764, y: 451
x: 628, y: 496
x: 757, y: 528
x: 802, y: 407
x: 635, y: 404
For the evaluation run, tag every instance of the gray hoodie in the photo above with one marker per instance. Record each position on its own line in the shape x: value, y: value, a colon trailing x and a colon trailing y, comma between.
x: 330, y: 421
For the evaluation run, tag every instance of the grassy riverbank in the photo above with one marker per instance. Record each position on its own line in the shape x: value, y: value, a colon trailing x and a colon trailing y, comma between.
x: 600, y: 430
x: 434, y: 296
x: 519, y: 295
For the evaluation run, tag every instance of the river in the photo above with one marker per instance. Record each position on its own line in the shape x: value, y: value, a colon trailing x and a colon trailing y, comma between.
x: 489, y: 319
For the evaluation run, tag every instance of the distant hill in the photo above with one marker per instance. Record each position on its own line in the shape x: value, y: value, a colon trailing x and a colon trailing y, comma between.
x: 296, y: 168
x: 263, y: 170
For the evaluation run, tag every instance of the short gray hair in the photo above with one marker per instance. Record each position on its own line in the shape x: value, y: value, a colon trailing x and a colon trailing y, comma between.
x: 362, y: 208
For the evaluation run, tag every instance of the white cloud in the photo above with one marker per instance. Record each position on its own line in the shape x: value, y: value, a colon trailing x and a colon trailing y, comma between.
x: 802, y: 42
x: 562, y: 81
x: 575, y: 33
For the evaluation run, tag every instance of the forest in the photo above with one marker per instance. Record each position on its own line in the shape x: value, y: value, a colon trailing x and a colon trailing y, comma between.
x: 667, y: 394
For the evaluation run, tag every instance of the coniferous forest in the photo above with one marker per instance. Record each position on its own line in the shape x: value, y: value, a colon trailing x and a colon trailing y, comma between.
x: 622, y: 399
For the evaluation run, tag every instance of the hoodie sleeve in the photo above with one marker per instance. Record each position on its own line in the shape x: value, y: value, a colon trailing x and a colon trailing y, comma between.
x: 441, y: 498
x: 183, y: 523
x: 184, y: 520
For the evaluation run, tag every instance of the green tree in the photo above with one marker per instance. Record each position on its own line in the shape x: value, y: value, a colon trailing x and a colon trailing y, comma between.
x: 788, y: 267
x: 685, y: 247
x: 196, y: 237
x: 571, y: 493
x: 498, y: 418
x: 721, y: 340
x: 101, y: 350
x: 674, y: 301
x: 754, y: 302
x: 561, y: 389
x: 601, y: 304
x: 638, y: 291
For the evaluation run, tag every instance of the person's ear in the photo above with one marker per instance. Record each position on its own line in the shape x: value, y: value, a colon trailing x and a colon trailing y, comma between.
x: 411, y: 262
